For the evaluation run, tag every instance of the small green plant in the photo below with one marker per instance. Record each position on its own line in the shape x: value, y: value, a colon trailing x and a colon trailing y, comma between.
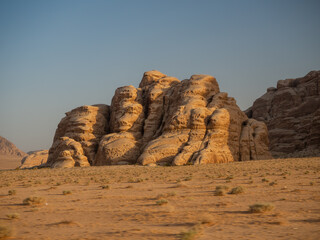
x: 66, y: 192
x: 105, y: 187
x: 34, y: 201
x: 237, y: 190
x: 13, y: 216
x: 12, y: 192
x: 161, y: 202
x: 261, y: 208
x: 264, y: 180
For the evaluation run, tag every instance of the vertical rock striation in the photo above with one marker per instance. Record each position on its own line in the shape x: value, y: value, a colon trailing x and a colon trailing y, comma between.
x: 164, y: 121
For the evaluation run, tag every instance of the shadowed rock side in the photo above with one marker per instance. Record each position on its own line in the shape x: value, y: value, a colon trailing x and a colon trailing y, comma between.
x: 165, y: 121
x: 78, y: 135
x: 36, y: 158
x: 292, y: 114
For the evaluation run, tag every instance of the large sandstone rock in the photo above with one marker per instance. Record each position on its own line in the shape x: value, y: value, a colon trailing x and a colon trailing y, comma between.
x: 35, y: 159
x: 164, y: 121
x: 292, y: 114
x: 78, y: 135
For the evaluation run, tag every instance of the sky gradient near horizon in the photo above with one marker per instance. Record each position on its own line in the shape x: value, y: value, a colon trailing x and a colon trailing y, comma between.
x: 58, y: 55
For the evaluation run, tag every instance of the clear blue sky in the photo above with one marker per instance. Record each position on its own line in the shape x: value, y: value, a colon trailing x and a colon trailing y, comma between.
x: 57, y: 55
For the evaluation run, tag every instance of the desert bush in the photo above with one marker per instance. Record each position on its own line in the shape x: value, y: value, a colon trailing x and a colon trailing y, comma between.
x: 13, y: 216
x: 260, y: 207
x: 219, y: 192
x: 237, y: 190
x: 105, y: 187
x: 164, y: 195
x: 34, y: 201
x: 12, y: 192
x: 273, y: 183
x: 66, y: 192
x: 189, y: 234
x: 161, y: 202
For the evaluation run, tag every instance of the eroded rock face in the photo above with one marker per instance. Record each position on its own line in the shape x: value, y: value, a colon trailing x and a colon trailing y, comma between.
x: 78, y: 135
x: 164, y: 121
x: 34, y: 159
x: 292, y: 114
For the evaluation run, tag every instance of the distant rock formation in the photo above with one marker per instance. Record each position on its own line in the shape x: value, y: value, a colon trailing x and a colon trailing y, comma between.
x: 10, y: 155
x: 292, y: 114
x: 164, y: 121
x: 7, y: 148
x: 34, y: 159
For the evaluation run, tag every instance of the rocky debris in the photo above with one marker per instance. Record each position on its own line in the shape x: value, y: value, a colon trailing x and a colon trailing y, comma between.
x: 7, y: 148
x: 35, y: 159
x: 292, y: 114
x: 164, y: 121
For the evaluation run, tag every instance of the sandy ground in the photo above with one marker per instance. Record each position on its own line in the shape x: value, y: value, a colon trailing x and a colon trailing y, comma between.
x: 8, y: 162
x: 136, y: 202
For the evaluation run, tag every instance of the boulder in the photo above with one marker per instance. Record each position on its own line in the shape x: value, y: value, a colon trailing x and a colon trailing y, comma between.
x: 292, y: 114
x: 35, y: 159
x: 163, y: 122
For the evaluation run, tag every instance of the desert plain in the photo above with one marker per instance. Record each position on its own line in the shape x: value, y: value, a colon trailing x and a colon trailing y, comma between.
x: 164, y: 202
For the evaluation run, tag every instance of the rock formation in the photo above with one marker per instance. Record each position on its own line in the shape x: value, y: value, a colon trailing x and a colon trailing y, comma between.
x: 164, y: 121
x: 10, y: 155
x: 292, y: 114
x: 35, y: 158
x: 78, y: 135
x: 9, y: 149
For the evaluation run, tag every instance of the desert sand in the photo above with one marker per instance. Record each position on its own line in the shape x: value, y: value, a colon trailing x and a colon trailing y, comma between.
x: 174, y: 202
x: 9, y: 162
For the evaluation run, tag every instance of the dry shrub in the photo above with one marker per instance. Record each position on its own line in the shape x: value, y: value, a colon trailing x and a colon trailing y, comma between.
x: 162, y: 202
x: 34, y: 201
x: 261, y: 207
x: 13, y: 216
x: 219, y: 192
x: 237, y: 190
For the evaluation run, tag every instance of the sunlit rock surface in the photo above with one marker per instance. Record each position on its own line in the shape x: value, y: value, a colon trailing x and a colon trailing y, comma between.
x: 165, y: 121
